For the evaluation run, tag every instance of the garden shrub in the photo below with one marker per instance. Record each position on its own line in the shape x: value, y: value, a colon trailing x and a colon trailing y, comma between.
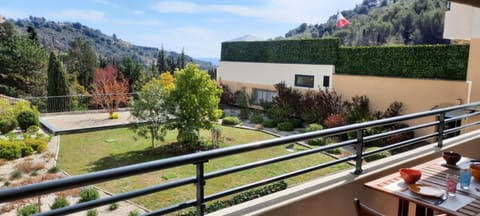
x: 10, y: 149
x: 334, y: 120
x: 54, y: 169
x: 27, y: 118
x: 113, y: 116
x: 256, y: 118
x: 134, y: 213
x: 269, y: 123
x: 60, y: 202
x: 27, y: 150
x: 376, y: 156
x: 32, y: 129
x: 38, y: 145
x: 335, y: 151
x: 285, y: 126
x: 230, y: 120
x: 16, y: 174
x: 28, y: 210
x: 7, y: 125
x: 278, y: 114
x: 296, y: 123
x: 316, y: 141
x: 242, y: 197
x: 92, y: 212
x: 87, y: 194
x: 113, y: 206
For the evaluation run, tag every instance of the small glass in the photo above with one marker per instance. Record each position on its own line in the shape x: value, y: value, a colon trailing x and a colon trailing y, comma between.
x: 452, y: 181
x: 465, y: 178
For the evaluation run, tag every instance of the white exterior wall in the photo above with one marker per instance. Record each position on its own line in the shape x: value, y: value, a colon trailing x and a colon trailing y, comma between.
x: 462, y: 22
x: 272, y: 73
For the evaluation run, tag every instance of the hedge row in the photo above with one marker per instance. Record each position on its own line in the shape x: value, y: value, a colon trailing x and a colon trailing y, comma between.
x: 420, y: 61
x: 242, y: 197
x: 447, y: 62
x: 311, y: 51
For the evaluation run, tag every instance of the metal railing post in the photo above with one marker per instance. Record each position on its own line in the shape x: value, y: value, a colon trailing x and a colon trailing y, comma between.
x: 358, y: 160
x: 440, y: 128
x: 200, y: 188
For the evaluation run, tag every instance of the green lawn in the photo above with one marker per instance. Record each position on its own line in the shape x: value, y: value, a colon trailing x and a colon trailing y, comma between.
x: 88, y: 152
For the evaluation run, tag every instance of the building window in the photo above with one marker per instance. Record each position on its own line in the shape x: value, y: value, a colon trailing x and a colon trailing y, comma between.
x: 326, y: 81
x: 260, y: 96
x: 304, y: 81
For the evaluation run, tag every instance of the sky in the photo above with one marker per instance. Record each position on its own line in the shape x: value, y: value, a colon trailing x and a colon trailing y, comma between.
x: 198, y: 27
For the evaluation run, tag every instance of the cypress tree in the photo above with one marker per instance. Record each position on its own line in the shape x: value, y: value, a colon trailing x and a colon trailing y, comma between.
x: 161, y: 64
x: 57, y: 86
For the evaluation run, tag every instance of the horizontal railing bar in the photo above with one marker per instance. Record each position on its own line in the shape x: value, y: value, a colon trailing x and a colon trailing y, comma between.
x: 455, y: 129
x: 399, y: 144
x: 461, y: 117
x: 276, y: 159
x: 398, y: 131
x: 276, y: 178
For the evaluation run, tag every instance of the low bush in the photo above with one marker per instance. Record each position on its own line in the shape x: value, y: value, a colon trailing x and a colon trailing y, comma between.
x: 296, y: 123
x: 7, y: 125
x: 27, y: 118
x: 59, y: 202
x: 10, y: 149
x: 33, y: 129
x: 230, y: 120
x: 39, y: 145
x: 256, y: 118
x: 269, y: 123
x: 54, y: 169
x: 285, y: 126
x: 242, y: 197
x: 376, y: 156
x: 27, y: 150
x: 16, y: 174
x: 134, y: 213
x: 113, y: 116
x: 87, y: 194
x: 335, y: 151
x: 92, y: 212
x: 28, y: 210
x: 113, y: 206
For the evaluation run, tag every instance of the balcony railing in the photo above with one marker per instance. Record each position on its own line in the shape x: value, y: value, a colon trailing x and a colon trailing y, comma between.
x: 434, y: 120
x: 66, y: 103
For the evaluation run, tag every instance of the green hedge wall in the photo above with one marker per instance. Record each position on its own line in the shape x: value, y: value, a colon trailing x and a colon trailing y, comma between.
x: 420, y: 61
x: 309, y: 51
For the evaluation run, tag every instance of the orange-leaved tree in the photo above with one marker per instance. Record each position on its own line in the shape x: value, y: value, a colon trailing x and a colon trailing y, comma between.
x: 109, y: 90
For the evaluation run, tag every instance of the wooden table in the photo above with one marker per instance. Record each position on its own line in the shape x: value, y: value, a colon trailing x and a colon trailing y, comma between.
x: 433, y: 173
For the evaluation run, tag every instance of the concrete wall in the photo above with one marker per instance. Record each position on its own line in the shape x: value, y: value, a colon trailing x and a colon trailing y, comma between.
x: 462, y: 22
x: 268, y: 74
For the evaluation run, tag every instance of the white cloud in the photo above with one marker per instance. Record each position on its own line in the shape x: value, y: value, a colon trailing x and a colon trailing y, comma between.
x: 105, y: 2
x: 89, y: 15
x: 176, y: 7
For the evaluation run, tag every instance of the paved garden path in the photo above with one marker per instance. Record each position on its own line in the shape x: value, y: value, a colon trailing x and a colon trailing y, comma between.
x: 66, y: 121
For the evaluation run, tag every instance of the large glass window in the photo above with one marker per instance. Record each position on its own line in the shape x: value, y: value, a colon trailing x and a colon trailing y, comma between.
x: 259, y: 96
x: 304, y: 80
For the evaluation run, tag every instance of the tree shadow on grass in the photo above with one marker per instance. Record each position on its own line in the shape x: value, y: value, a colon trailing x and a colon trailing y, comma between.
x: 133, y: 157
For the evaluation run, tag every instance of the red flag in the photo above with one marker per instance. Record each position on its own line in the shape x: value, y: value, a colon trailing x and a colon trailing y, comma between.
x: 341, y: 21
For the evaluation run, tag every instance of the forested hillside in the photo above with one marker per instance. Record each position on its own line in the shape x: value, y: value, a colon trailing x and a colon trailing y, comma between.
x: 59, y: 35
x: 377, y: 22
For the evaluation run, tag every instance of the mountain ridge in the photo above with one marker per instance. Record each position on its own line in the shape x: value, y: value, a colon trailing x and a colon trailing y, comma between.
x: 58, y: 36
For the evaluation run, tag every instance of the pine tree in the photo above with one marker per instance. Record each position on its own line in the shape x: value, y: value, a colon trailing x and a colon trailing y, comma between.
x: 161, y: 61
x: 181, y: 60
x: 57, y: 86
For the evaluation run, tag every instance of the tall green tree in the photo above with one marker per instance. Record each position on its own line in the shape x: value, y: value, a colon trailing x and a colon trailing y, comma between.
x: 81, y: 60
x: 181, y: 60
x: 196, y: 98
x: 23, y: 66
x: 161, y: 61
x: 57, y: 85
x: 130, y: 70
x: 151, y: 106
